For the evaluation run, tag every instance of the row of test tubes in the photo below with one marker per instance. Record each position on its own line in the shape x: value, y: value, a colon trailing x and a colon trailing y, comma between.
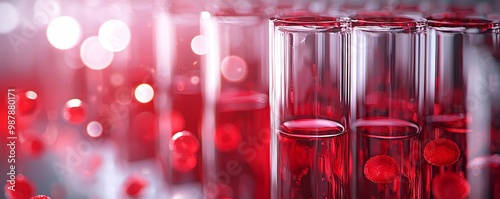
x: 366, y: 105
x: 385, y: 105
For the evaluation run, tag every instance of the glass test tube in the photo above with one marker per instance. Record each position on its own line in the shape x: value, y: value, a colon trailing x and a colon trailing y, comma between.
x: 235, y: 131
x: 460, y: 103
x: 385, y: 105
x: 180, y: 47
x: 309, y: 107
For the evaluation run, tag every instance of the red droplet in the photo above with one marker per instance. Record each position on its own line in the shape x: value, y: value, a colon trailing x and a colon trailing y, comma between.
x: 134, y: 186
x: 450, y: 186
x: 33, y: 146
x: 26, y: 102
x: 441, y: 152
x: 381, y: 169
x: 23, y: 188
x: 75, y: 111
x: 40, y: 197
x: 184, y: 143
x: 184, y: 163
x: 227, y: 137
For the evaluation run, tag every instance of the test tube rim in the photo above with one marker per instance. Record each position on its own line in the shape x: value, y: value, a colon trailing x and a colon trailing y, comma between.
x: 451, y: 20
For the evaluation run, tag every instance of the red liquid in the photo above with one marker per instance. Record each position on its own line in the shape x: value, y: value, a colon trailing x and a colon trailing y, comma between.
x: 312, y: 155
x: 307, y: 21
x: 479, y: 169
x: 389, y: 143
x: 449, y: 185
x: 190, y: 107
x: 454, y: 131
x: 383, y: 18
x: 462, y: 107
x: 186, y: 97
x: 459, y: 20
x: 441, y: 152
x: 241, y: 164
x: 381, y: 169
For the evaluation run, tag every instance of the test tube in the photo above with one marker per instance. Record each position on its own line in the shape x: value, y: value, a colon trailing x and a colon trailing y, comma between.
x: 386, y: 96
x: 459, y: 142
x: 308, y: 79
x: 179, y: 49
x: 235, y: 130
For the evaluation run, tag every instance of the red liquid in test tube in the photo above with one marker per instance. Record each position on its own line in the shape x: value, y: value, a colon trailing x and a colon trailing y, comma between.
x: 235, y: 131
x: 385, y: 105
x: 187, y: 104
x: 461, y: 96
x: 180, y: 46
x: 308, y: 107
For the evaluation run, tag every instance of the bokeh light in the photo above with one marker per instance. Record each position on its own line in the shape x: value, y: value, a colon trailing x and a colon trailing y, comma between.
x: 144, y: 93
x: 94, y: 129
x: 198, y: 45
x: 9, y: 17
x: 114, y: 35
x: 186, y: 84
x: 94, y: 55
x: 195, y: 80
x: 64, y: 32
x: 234, y: 68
